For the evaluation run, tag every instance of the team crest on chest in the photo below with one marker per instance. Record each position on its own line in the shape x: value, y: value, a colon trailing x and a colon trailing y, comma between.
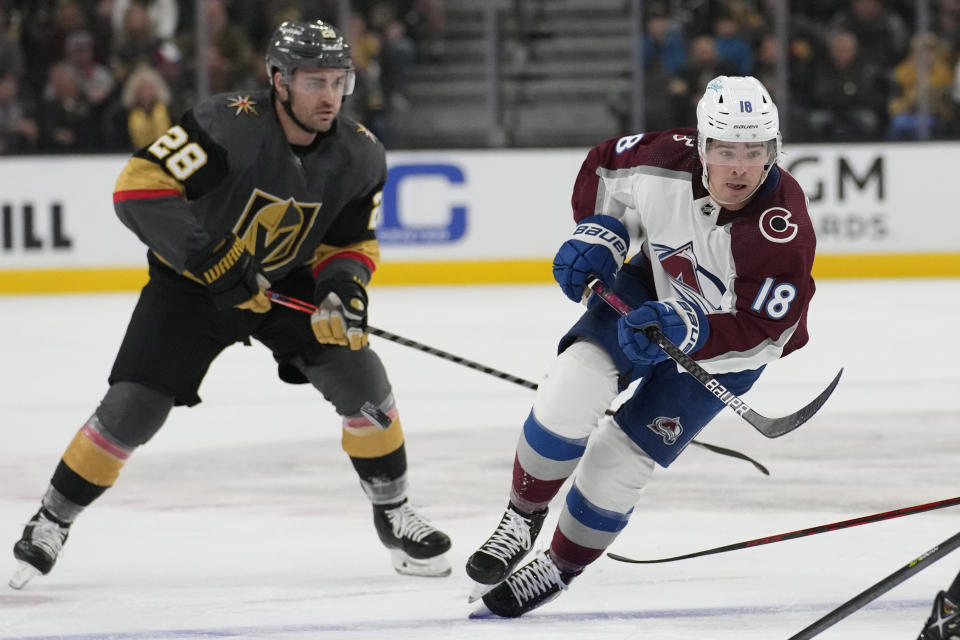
x: 688, y: 278
x: 273, y: 229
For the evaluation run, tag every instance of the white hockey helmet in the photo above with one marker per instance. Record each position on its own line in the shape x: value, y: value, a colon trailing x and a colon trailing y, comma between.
x: 738, y: 109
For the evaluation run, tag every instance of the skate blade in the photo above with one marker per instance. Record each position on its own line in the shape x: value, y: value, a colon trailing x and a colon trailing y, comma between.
x: 23, y: 574
x: 435, y: 567
x: 479, y: 590
x: 482, y: 613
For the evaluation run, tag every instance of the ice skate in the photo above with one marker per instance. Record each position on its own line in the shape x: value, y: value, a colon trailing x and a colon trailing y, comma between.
x: 944, y: 621
x: 39, y: 547
x: 533, y: 585
x: 504, y: 549
x: 416, y: 547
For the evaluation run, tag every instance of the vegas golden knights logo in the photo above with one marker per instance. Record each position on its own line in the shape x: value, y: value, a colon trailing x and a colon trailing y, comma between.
x: 272, y: 229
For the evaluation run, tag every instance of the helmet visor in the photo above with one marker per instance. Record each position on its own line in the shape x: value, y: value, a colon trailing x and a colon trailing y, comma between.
x: 740, y: 154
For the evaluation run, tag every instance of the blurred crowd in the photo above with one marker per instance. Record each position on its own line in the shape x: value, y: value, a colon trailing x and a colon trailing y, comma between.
x: 82, y: 76
x: 856, y: 67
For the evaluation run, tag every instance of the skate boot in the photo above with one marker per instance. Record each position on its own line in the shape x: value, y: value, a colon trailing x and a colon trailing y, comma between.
x: 944, y: 622
x: 533, y: 585
x: 504, y: 549
x: 37, y: 550
x: 416, y: 547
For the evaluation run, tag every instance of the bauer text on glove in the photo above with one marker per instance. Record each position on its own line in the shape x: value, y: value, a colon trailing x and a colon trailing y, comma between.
x: 231, y: 274
x: 597, y: 247
x: 341, y: 315
x: 682, y: 323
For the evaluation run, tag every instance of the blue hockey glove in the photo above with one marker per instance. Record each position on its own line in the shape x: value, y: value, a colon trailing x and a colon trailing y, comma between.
x: 597, y: 247
x: 684, y: 324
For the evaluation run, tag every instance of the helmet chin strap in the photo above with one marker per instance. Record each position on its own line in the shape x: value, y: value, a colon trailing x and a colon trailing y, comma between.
x: 289, y: 109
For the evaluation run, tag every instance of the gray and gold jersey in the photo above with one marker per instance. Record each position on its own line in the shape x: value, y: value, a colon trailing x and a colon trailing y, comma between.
x: 227, y: 167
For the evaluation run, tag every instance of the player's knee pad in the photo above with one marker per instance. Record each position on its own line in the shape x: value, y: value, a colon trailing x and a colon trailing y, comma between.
x: 614, y: 470
x: 128, y: 416
x: 132, y: 413
x: 347, y: 378
x: 577, y: 390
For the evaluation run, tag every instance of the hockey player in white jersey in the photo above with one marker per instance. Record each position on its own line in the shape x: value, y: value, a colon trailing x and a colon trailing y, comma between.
x: 723, y: 252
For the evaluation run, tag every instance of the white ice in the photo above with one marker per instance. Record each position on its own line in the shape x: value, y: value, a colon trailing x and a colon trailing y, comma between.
x: 244, y: 519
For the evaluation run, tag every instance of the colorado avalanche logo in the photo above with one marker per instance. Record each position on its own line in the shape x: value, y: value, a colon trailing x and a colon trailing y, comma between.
x: 667, y: 428
x: 775, y: 225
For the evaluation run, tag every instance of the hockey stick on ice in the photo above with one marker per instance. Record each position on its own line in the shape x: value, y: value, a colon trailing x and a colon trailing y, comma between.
x: 812, y: 531
x: 770, y: 427
x: 307, y: 307
x: 873, y: 592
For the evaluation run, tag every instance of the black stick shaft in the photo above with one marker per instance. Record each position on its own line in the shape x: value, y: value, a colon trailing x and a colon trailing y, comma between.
x: 770, y: 427
x: 307, y: 307
x: 812, y: 531
x: 873, y: 592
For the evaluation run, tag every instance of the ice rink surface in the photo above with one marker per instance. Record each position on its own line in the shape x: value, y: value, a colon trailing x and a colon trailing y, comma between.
x: 244, y: 519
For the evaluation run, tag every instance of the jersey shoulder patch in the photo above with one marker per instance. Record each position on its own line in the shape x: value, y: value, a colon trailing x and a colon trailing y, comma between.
x: 776, y: 225
x: 242, y: 105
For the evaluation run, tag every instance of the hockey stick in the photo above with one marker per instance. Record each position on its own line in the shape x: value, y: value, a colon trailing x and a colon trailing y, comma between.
x: 875, y: 591
x: 306, y: 307
x: 812, y: 531
x: 770, y: 427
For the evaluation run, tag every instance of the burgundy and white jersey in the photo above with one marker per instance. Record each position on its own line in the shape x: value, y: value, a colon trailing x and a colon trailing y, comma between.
x: 749, y: 270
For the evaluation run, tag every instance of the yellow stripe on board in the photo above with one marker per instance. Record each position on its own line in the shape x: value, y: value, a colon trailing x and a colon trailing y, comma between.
x: 73, y: 280
x: 926, y: 265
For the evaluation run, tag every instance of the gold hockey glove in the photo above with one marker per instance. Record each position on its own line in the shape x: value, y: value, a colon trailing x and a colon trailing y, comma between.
x: 341, y: 315
x: 231, y: 274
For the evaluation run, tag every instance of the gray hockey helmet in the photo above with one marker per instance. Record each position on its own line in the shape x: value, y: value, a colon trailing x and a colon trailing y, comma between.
x: 300, y: 43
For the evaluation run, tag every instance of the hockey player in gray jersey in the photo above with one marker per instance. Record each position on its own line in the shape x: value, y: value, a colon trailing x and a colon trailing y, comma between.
x: 252, y: 190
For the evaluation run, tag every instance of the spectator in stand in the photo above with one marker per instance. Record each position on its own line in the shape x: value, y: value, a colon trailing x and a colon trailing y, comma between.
x: 800, y: 61
x: 11, y: 57
x: 703, y: 64
x: 907, y: 119
x: 883, y: 34
x: 67, y: 123
x: 430, y: 18
x: 847, y: 96
x: 163, y: 16
x: 19, y: 132
x: 230, y: 53
x: 366, y: 103
x: 168, y: 62
x: 664, y: 55
x: 664, y: 44
x: 46, y: 34
x: 396, y: 57
x: 134, y: 43
x: 946, y: 25
x: 96, y: 81
x: 751, y: 22
x: 145, y: 99
x: 731, y: 46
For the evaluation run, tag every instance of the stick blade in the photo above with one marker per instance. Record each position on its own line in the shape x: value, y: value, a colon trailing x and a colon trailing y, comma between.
x: 776, y: 427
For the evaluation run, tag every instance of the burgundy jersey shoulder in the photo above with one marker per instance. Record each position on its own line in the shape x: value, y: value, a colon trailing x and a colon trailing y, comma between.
x: 773, y: 244
x: 776, y: 224
x: 670, y: 150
